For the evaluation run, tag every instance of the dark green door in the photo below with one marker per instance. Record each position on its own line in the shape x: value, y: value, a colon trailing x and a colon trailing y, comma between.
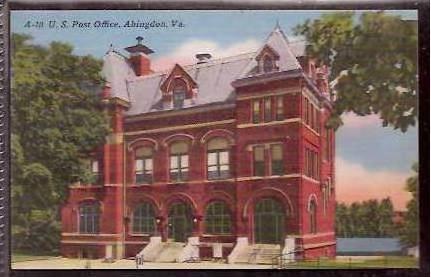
x: 179, y: 222
x: 269, y: 220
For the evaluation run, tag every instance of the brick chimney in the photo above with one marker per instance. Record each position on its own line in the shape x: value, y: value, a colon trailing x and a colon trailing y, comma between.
x: 139, y: 58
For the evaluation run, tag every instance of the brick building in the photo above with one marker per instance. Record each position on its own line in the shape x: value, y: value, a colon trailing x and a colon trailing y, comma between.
x: 225, y: 157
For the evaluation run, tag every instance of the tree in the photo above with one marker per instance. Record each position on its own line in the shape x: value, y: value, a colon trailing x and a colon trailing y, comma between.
x: 342, y: 220
x: 57, y: 122
x: 386, y: 224
x: 372, y: 61
x: 369, y: 218
x: 409, y: 231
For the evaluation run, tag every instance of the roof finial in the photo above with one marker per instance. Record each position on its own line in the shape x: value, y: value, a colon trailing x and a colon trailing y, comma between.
x: 139, y: 39
x: 110, y: 49
x: 277, y: 24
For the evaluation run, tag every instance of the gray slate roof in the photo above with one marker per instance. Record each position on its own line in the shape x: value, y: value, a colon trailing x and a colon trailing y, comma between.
x: 214, y: 78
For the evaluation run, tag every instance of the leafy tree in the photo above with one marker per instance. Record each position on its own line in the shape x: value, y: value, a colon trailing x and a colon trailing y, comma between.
x: 56, y: 123
x: 409, y: 231
x: 373, y: 64
x: 369, y: 218
x: 386, y: 224
x: 342, y: 220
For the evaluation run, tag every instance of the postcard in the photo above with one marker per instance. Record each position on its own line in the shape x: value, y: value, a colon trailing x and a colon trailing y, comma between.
x: 214, y: 139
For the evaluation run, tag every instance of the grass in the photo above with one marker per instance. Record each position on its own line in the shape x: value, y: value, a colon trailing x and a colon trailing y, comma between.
x: 23, y: 256
x: 384, y: 262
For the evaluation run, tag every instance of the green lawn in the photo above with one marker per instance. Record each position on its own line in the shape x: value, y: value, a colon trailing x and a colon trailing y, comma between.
x: 22, y: 257
x: 385, y: 262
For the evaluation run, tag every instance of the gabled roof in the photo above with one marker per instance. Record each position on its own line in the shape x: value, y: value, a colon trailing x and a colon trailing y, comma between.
x: 177, y: 69
x: 279, y: 43
x: 213, y: 78
x: 266, y: 48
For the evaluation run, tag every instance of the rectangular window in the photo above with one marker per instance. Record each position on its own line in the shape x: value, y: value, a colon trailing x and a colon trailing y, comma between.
x: 95, y: 167
x: 310, y: 114
x: 328, y: 145
x: 144, y: 170
x: 311, y: 164
x: 268, y: 109
x: 218, y: 164
x: 258, y: 161
x: 95, y: 172
x: 88, y: 219
x: 179, y: 167
x: 305, y: 110
x: 256, y: 111
x: 279, y: 110
x: 179, y: 99
x: 277, y: 165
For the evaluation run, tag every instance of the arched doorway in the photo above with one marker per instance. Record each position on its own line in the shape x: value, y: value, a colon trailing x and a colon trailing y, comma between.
x: 269, y: 221
x: 179, y: 222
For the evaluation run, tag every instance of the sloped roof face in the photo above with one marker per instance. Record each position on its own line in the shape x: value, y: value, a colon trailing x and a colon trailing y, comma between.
x: 277, y: 41
x: 213, y: 78
x: 369, y: 245
x: 116, y: 71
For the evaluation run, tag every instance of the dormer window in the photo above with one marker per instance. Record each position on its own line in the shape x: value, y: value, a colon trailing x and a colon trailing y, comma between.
x: 178, y: 87
x: 179, y: 93
x: 268, y: 64
x: 267, y: 60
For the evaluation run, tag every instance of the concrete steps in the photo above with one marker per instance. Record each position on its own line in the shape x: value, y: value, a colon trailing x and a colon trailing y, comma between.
x: 259, y: 254
x: 169, y: 252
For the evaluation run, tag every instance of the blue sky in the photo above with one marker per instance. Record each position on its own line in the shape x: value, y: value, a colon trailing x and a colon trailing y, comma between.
x: 362, y: 144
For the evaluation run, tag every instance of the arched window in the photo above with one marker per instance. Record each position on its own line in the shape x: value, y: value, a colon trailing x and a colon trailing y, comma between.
x: 144, y: 165
x: 218, y: 159
x: 313, y: 221
x: 144, y: 219
x: 268, y: 64
x: 89, y: 218
x: 217, y: 218
x: 179, y: 161
x: 269, y: 221
x: 179, y: 93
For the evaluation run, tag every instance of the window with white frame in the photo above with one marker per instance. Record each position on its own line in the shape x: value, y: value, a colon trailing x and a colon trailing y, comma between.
x: 218, y: 159
x: 95, y: 171
x: 144, y: 165
x: 179, y: 161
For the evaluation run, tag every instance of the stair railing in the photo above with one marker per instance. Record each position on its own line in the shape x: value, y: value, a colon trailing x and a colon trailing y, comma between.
x: 280, y: 261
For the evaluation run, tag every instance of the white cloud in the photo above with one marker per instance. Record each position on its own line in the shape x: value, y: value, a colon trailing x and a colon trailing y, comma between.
x: 356, y: 183
x: 185, y: 53
x: 354, y: 121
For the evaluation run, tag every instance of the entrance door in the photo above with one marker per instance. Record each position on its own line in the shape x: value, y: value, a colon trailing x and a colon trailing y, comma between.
x: 179, y: 222
x: 269, y: 220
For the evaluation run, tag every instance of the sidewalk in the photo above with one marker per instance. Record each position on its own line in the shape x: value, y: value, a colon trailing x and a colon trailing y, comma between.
x: 64, y: 263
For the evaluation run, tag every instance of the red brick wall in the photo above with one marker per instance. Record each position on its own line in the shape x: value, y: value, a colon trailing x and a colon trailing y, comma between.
x: 291, y: 190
